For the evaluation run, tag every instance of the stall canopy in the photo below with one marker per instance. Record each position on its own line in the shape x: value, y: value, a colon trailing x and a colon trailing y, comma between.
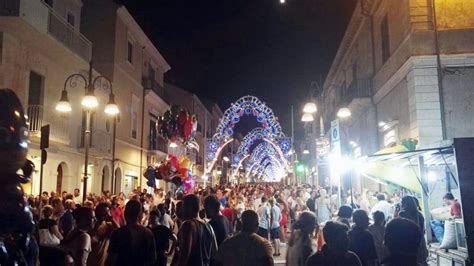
x: 398, y: 166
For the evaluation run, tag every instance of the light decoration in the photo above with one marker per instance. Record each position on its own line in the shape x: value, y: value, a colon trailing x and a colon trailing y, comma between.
x: 266, y: 162
x: 246, y: 106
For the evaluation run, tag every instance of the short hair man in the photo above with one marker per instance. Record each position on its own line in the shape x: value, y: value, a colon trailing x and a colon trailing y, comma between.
x: 246, y: 248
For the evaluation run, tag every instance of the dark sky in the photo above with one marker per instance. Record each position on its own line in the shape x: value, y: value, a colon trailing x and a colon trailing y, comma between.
x: 224, y: 49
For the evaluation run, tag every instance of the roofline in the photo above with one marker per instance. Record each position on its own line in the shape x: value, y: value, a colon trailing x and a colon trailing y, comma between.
x: 149, y: 46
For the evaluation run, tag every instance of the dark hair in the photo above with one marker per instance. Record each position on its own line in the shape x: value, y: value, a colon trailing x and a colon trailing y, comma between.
x: 307, y: 222
x: 409, y: 205
x: 212, y: 203
x: 448, y: 196
x: 249, y: 221
x: 191, y: 203
x: 378, y: 216
x: 264, y: 199
x: 82, y: 214
x: 345, y: 211
x: 101, y: 211
x: 47, y: 211
x: 380, y: 196
x: 402, y: 236
x: 360, y: 218
x: 132, y: 212
x: 332, y: 233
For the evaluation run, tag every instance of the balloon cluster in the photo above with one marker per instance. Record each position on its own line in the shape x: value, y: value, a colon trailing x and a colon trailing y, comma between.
x: 177, y: 124
x: 172, y: 170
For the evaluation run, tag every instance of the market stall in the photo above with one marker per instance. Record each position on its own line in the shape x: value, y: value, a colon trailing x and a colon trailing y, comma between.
x: 429, y: 174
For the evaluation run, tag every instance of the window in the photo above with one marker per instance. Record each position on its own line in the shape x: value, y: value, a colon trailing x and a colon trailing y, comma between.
x: 153, y: 134
x: 151, y: 73
x: 71, y: 19
x: 49, y: 2
x: 134, y: 117
x: 35, y: 90
x: 385, y: 35
x: 130, y: 52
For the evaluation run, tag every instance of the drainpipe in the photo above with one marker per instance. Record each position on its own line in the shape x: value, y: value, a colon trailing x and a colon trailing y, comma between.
x: 141, y: 140
x: 439, y: 71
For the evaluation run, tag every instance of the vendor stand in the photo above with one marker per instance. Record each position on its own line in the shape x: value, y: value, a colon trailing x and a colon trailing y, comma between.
x: 429, y: 174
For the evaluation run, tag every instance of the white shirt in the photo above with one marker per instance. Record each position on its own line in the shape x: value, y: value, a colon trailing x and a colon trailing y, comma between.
x: 78, y: 199
x: 385, y: 207
x: 263, y: 216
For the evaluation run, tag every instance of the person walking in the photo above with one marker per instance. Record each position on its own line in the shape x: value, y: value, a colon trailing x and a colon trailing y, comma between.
x: 323, y: 208
x: 409, y: 210
x: 132, y: 244
x: 275, y: 217
x: 163, y: 235
x: 377, y: 230
x: 361, y: 241
x: 245, y: 248
x: 197, y: 243
x: 300, y: 245
x: 264, y: 218
x: 383, y: 206
x: 78, y: 241
x: 219, y: 223
x: 100, y: 235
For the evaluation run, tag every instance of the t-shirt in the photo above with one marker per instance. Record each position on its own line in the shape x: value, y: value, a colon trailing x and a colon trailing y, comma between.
x: 220, y: 225
x: 244, y: 249
x: 456, y: 209
x: 162, y: 236
x: 133, y: 245
x: 361, y: 242
x: 76, y: 242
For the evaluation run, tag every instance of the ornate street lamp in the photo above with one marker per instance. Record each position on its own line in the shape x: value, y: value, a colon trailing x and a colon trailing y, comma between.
x: 310, y: 108
x: 307, y: 117
x: 344, y: 112
x: 89, y: 102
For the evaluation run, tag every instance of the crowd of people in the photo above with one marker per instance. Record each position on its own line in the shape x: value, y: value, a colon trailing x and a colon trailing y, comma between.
x: 228, y: 225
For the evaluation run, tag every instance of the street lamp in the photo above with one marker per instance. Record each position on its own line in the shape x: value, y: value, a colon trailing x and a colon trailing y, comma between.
x: 225, y: 158
x: 344, y: 112
x: 89, y: 102
x: 307, y: 117
x: 310, y: 108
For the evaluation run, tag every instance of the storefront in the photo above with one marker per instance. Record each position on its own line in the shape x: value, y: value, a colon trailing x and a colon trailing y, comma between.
x: 428, y: 175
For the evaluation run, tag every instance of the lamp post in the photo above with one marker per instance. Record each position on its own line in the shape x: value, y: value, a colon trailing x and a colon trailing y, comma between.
x: 89, y: 102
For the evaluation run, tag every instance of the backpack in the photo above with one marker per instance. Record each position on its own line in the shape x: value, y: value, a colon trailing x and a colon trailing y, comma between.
x: 206, y: 241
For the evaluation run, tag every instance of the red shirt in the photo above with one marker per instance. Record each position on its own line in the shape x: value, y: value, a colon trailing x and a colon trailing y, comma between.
x: 456, y: 209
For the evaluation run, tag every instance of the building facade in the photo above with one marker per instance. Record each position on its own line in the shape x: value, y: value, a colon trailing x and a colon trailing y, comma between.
x: 41, y: 44
x: 404, y: 74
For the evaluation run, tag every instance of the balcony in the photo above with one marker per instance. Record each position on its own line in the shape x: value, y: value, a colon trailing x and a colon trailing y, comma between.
x: 359, y: 88
x: 151, y: 84
x: 157, y: 143
x: 101, y: 141
x: 47, y: 21
x: 39, y: 116
x: 69, y: 36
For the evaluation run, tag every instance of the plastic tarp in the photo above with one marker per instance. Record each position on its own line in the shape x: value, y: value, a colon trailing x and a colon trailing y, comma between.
x: 401, y: 172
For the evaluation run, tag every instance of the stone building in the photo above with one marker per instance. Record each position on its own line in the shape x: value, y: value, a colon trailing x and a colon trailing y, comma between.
x: 41, y: 44
x: 388, y: 70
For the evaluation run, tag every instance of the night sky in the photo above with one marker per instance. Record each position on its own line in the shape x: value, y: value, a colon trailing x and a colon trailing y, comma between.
x: 224, y: 49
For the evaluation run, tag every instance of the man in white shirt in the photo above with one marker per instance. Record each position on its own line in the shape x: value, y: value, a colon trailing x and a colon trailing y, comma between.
x: 383, y: 206
x: 263, y: 218
x: 77, y: 196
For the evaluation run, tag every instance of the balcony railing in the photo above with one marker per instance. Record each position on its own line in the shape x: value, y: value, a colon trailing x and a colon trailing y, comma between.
x: 151, y: 84
x: 69, y: 36
x: 39, y: 116
x: 100, y: 142
x: 359, y: 88
x: 157, y: 143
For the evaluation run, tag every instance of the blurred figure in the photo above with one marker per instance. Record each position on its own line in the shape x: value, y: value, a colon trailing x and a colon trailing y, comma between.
x: 275, y: 217
x: 163, y: 235
x: 78, y: 241
x: 455, y: 207
x: 335, y: 251
x: 383, y: 206
x: 300, y: 246
x: 410, y: 211
x: 402, y: 239
x: 100, y: 235
x: 132, y: 244
x: 246, y: 247
x: 67, y: 220
x: 264, y: 218
x: 219, y: 223
x: 378, y: 233
x: 77, y: 196
x: 196, y: 241
x: 361, y: 241
x: 344, y: 215
x: 323, y: 206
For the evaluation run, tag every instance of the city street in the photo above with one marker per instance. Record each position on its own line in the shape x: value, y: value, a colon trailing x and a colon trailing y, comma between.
x: 192, y: 132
